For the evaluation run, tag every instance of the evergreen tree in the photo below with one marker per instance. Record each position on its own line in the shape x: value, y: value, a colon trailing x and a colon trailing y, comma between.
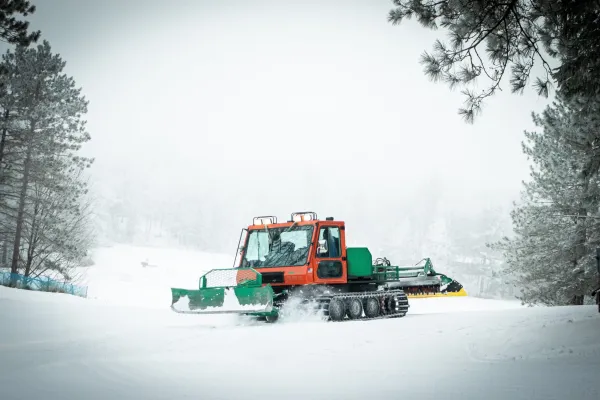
x: 42, y: 184
x: 14, y: 31
x: 557, y: 225
x: 487, y: 38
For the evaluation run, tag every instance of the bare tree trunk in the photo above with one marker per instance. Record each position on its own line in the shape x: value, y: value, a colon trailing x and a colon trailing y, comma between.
x: 32, y: 239
x: 3, y: 143
x: 4, y: 257
x: 21, y: 213
x: 576, y: 300
x: 598, y: 294
x: 579, y: 252
x: 581, y: 228
x: 28, y: 264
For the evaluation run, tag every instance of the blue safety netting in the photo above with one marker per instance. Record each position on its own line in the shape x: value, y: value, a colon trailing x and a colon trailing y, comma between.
x: 43, y: 284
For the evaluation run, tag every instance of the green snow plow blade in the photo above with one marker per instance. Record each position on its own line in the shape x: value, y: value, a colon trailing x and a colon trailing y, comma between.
x: 226, y: 291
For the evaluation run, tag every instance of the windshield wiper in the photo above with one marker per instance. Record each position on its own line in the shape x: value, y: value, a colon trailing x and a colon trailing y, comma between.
x: 290, y: 228
x: 268, y: 235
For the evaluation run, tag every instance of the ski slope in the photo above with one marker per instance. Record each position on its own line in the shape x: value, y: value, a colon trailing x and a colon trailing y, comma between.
x: 119, y: 278
x: 115, y: 346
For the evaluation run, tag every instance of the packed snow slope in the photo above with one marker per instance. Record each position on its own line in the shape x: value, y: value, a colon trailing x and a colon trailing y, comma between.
x: 61, y: 347
x: 119, y: 277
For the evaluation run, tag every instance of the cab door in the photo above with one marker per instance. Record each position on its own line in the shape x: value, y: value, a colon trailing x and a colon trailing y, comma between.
x: 330, y: 255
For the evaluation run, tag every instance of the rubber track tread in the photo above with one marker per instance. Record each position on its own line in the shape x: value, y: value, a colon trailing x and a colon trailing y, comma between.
x: 401, y: 308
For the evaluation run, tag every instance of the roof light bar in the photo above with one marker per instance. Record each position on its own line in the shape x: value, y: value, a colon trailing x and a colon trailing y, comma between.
x: 304, y: 216
x: 267, y: 220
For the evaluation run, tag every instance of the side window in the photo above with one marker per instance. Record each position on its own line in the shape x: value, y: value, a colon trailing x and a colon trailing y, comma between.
x: 331, y: 234
x: 329, y: 269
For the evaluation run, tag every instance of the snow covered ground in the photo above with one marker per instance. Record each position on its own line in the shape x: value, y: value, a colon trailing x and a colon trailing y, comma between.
x: 133, y: 347
x: 118, y: 276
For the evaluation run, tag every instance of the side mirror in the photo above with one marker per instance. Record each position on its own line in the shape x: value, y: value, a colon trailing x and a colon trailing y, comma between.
x: 322, y: 249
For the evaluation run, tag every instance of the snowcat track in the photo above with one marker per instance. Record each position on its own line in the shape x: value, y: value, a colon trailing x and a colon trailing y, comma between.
x: 399, y: 310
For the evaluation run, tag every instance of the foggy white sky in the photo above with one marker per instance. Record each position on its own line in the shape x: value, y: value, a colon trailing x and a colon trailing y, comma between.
x: 266, y: 97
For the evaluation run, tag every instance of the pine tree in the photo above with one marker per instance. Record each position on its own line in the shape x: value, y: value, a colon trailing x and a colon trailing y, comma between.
x: 557, y: 225
x: 12, y: 30
x: 42, y: 171
x: 489, y: 38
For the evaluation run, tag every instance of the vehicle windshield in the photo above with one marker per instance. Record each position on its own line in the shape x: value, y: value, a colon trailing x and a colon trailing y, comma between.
x: 278, y: 247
